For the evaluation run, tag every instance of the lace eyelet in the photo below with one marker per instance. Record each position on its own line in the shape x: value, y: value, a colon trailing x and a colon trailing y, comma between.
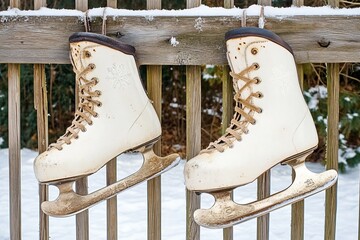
x: 87, y: 54
x: 83, y: 130
x: 96, y: 115
x: 61, y: 148
x: 257, y: 80
x: 98, y: 93
x: 96, y: 80
x: 260, y: 110
x: 253, y: 122
x: 76, y: 137
x: 91, y: 123
x: 256, y: 65
x: 92, y: 66
x: 254, y: 51
x: 260, y: 95
x: 99, y: 104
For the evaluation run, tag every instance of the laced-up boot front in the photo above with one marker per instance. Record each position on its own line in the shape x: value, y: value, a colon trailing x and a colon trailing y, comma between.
x: 271, y: 123
x: 114, y: 113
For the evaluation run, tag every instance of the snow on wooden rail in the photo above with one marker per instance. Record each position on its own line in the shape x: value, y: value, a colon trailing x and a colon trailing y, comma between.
x: 319, y: 34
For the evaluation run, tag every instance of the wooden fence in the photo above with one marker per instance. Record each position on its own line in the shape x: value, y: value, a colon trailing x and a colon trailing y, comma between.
x: 314, y: 38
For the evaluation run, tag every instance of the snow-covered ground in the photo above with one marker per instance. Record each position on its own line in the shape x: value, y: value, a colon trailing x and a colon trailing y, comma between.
x: 132, y: 206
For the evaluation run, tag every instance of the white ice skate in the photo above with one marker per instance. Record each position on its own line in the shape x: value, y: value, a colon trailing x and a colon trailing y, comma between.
x: 271, y: 125
x: 114, y: 116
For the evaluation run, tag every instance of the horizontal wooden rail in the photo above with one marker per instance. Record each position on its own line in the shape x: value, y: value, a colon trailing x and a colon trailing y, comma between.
x: 44, y: 39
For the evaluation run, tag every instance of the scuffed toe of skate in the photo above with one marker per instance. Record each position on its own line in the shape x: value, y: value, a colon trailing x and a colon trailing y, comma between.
x: 201, y: 175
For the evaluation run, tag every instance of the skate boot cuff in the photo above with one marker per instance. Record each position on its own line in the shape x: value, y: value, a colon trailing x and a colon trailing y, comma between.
x: 103, y: 40
x: 258, y: 32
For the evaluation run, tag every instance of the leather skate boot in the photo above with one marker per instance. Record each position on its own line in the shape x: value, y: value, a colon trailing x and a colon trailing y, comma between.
x: 272, y: 124
x: 114, y: 115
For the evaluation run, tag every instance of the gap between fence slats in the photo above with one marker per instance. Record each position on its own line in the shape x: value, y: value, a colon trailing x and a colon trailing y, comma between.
x: 332, y: 147
x: 81, y: 185
x: 297, y: 209
x: 111, y: 177
x: 14, y: 151
x: 41, y: 107
x: 227, y: 106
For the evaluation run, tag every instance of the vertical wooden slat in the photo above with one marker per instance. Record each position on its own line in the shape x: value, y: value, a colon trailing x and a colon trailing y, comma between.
x: 111, y: 204
x: 111, y: 3
x: 298, y: 3
x: 81, y: 5
x: 332, y: 147
x: 81, y: 185
x: 41, y: 106
x: 227, y: 99
x: 297, y: 209
x: 154, y: 83
x: 263, y: 184
x: 15, y: 3
x: 111, y: 177
x: 14, y: 151
x: 14, y: 145
x: 154, y: 88
x: 193, y: 135
x: 193, y: 141
x: 39, y: 4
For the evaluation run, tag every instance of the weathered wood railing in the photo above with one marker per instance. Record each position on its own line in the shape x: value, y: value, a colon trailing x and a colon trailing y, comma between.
x: 31, y: 38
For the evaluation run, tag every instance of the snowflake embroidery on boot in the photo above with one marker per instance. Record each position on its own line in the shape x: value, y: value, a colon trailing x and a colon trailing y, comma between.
x: 119, y: 75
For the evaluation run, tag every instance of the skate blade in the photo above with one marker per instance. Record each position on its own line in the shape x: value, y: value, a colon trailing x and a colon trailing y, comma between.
x: 226, y: 213
x: 69, y: 203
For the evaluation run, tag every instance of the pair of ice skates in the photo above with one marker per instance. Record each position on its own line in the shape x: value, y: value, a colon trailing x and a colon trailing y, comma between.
x: 271, y: 125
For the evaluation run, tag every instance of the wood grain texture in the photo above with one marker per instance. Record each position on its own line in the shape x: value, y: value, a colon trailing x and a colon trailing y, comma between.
x: 41, y: 107
x: 154, y: 88
x: 14, y: 151
x: 201, y: 41
x: 111, y: 3
x: 228, y: 110
x: 297, y: 209
x: 81, y: 185
x: 111, y: 204
x: 111, y: 177
x: 193, y: 127
x: 264, y: 180
x: 332, y: 147
x: 193, y: 142
x: 81, y: 5
x: 263, y: 191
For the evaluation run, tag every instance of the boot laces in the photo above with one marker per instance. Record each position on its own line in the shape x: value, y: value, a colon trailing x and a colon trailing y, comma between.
x: 85, y: 109
x: 244, y: 110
